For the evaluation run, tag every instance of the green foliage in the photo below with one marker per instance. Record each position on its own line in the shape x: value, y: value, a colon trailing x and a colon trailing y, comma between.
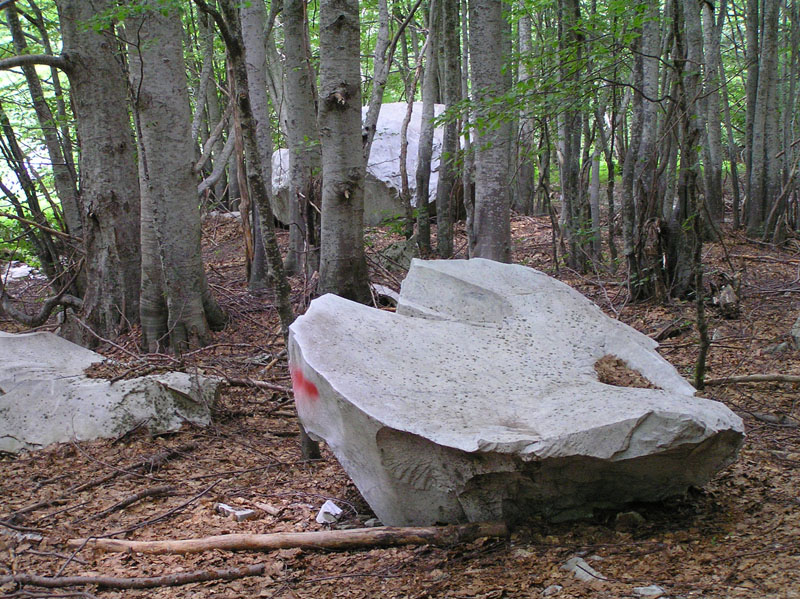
x: 14, y: 244
x: 397, y: 224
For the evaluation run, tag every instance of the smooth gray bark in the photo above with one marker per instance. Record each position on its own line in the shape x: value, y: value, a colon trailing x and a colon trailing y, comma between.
x: 525, y: 171
x: 491, y: 224
x: 645, y: 195
x: 628, y: 203
x: 110, y: 196
x: 253, y: 16
x: 343, y: 268
x: 430, y: 90
x: 305, y: 159
x: 451, y: 92
x: 161, y: 101
x: 573, y: 199
x: 752, y: 37
x: 761, y: 176
x: 468, y: 169
x: 712, y: 148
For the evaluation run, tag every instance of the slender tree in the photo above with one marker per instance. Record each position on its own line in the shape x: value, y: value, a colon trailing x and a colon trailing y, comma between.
x: 343, y: 268
x: 430, y: 92
x: 491, y: 226
x: 305, y: 160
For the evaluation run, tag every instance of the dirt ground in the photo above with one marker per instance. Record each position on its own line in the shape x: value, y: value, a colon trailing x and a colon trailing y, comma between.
x: 737, y: 537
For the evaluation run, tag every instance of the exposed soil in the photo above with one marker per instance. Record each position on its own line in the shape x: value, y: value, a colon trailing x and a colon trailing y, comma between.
x: 611, y: 370
x: 738, y: 537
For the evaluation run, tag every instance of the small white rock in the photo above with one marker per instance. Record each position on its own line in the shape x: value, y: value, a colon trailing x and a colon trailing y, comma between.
x: 553, y: 589
x: 372, y: 523
x: 652, y: 591
x: 231, y: 512
x: 329, y: 513
x: 581, y: 570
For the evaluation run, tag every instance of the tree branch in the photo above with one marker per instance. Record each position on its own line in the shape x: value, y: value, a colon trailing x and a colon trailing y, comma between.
x: 219, y: 166
x: 212, y: 139
x: 384, y: 536
x: 61, y: 234
x: 27, y: 60
x: 248, y: 382
x: 62, y: 299
x: 224, y: 30
x: 754, y: 378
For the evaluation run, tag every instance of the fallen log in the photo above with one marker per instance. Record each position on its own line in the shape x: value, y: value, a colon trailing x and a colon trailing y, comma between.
x: 754, y: 378
x: 168, y: 580
x: 384, y: 536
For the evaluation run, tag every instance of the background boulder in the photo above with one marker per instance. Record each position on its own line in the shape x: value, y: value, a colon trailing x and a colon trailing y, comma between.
x: 383, y: 181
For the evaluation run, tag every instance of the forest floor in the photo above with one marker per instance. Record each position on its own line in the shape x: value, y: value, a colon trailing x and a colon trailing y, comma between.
x: 737, y: 537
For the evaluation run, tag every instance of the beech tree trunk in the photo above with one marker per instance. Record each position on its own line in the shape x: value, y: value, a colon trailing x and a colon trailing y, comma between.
x: 253, y: 16
x: 448, y: 171
x: 430, y: 89
x: 343, y: 267
x: 491, y: 226
x: 305, y: 160
x: 763, y: 174
x: 573, y: 198
x: 166, y: 159
x: 109, y: 194
x: 525, y: 176
x: 712, y: 148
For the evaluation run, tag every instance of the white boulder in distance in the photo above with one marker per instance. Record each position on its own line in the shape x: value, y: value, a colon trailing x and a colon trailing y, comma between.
x: 383, y: 181
x: 45, y: 397
x: 479, y: 400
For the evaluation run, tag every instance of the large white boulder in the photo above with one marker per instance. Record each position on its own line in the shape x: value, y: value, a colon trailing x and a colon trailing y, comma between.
x: 478, y: 399
x: 45, y: 396
x: 383, y: 181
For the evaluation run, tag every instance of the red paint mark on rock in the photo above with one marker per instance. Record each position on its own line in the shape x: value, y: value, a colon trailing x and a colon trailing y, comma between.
x: 303, y: 388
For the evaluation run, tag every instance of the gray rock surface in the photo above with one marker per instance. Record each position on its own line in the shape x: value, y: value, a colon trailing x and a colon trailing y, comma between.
x: 45, y: 397
x: 478, y: 400
x: 383, y: 181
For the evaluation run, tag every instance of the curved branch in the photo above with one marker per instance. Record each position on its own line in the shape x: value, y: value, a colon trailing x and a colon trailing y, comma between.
x: 230, y: 39
x: 34, y: 59
x: 219, y: 166
x: 61, y: 234
x: 47, y: 308
x: 62, y: 298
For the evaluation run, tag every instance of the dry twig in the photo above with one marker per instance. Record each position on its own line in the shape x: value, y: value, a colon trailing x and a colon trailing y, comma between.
x: 120, y: 505
x: 755, y: 378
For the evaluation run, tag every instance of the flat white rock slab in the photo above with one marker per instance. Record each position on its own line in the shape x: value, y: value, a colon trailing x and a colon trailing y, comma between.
x: 45, y: 397
x: 478, y: 400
